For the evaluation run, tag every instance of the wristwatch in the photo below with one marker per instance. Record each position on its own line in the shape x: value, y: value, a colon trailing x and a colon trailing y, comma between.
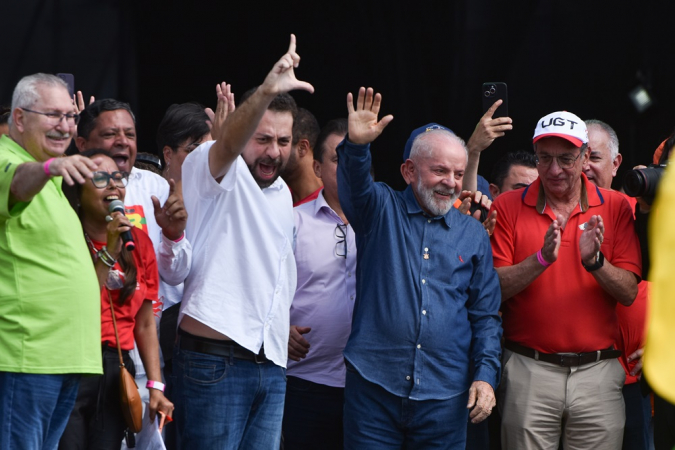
x: 599, y: 261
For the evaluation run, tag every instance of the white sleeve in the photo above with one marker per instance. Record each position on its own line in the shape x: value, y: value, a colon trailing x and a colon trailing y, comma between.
x: 174, y: 260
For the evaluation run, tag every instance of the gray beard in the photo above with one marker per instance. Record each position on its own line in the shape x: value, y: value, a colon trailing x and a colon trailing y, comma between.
x: 431, y: 204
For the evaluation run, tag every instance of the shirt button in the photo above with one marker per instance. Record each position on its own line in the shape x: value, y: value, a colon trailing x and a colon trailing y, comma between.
x: 429, y: 220
x: 349, y: 274
x: 408, y: 378
x: 351, y: 297
x: 424, y: 311
x: 424, y: 281
x: 426, y: 249
x: 419, y: 346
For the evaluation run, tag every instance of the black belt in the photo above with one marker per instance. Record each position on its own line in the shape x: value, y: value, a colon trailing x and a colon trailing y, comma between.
x: 215, y: 347
x: 563, y: 359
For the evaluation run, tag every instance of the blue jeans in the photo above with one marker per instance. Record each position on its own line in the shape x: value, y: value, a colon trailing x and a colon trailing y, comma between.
x: 375, y: 418
x: 227, y: 403
x: 34, y: 409
x: 312, y: 415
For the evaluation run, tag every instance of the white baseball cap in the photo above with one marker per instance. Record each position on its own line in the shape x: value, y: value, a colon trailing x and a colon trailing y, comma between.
x: 564, y: 125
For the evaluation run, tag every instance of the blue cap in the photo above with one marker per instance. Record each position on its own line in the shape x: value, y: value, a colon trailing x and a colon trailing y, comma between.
x: 417, y: 132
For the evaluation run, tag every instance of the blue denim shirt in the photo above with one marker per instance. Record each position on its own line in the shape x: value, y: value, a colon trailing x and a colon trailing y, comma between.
x: 426, y: 320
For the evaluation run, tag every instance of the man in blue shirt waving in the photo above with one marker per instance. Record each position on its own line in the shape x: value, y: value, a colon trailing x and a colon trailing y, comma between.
x: 425, y: 343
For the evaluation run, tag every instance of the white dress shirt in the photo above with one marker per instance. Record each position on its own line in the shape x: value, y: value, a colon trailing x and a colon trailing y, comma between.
x: 243, y: 273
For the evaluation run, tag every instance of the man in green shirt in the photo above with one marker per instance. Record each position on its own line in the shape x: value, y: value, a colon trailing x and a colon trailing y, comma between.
x: 50, y: 325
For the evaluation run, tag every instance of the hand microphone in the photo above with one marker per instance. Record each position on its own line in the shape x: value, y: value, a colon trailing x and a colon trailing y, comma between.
x: 127, y: 238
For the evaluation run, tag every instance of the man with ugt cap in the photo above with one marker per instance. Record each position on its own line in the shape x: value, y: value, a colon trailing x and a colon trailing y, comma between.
x: 566, y: 252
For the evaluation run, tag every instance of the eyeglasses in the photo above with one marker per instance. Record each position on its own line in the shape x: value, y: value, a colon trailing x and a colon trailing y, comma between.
x: 341, y: 245
x: 564, y: 161
x: 102, y: 179
x: 55, y: 118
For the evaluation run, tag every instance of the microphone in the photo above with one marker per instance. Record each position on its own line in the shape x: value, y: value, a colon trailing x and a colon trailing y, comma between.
x: 127, y: 238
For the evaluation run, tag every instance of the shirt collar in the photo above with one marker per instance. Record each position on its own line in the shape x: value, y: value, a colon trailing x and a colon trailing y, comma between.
x: 321, y: 206
x: 278, y: 184
x: 535, y: 196
x: 413, y: 206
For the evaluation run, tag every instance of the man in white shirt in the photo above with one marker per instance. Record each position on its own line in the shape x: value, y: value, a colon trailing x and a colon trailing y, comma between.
x: 230, y: 358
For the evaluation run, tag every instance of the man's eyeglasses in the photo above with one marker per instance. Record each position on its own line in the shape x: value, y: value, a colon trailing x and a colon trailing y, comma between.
x: 564, y: 161
x: 102, y: 179
x: 341, y: 245
x: 55, y: 118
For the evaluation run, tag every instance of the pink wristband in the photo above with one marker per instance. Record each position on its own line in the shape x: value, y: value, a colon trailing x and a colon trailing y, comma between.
x: 155, y: 385
x: 541, y: 259
x: 45, y: 166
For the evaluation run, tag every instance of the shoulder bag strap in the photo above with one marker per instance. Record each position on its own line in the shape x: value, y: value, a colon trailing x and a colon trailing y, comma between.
x: 117, y: 338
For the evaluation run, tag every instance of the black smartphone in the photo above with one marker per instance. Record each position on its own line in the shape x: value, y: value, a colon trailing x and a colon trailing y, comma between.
x: 69, y: 78
x: 493, y: 91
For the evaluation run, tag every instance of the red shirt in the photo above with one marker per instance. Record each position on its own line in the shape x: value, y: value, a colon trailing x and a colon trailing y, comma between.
x: 564, y: 309
x: 632, y: 321
x: 307, y: 199
x: 147, y: 286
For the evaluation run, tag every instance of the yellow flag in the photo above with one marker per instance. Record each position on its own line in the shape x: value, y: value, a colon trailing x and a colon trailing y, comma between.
x: 659, y: 357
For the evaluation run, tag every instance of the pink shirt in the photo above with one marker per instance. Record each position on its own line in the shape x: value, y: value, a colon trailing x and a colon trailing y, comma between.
x: 326, y: 291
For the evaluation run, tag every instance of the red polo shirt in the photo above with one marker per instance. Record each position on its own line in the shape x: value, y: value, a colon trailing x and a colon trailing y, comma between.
x: 564, y: 309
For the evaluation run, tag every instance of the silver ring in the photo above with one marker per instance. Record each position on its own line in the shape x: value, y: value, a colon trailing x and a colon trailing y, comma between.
x: 108, y: 218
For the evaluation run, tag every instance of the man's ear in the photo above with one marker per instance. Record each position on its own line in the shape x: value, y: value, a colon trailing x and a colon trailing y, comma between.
x: 408, y: 171
x: 616, y: 163
x: 80, y: 143
x: 168, y: 152
x: 18, y: 117
x: 494, y: 190
x: 317, y: 168
x: 303, y: 148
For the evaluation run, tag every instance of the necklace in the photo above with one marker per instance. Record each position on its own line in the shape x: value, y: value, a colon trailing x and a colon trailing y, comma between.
x: 114, y: 280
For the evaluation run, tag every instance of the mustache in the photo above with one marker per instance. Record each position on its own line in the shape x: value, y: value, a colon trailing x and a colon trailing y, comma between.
x: 270, y: 161
x: 58, y: 135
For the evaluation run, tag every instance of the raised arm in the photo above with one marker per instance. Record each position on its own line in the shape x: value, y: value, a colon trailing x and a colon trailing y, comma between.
x: 487, y: 130
x: 241, y: 124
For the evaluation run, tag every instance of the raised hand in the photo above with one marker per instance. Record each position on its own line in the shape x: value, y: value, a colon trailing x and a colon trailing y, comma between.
x: 78, y: 101
x: 488, y: 129
x: 172, y: 216
x: 591, y: 239
x: 282, y: 76
x: 364, y: 127
x: 224, y: 108
x: 552, y: 241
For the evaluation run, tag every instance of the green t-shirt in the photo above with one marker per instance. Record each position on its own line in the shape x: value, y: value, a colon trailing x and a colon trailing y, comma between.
x: 50, y: 304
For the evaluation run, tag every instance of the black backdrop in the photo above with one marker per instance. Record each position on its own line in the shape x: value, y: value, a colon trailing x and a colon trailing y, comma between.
x: 428, y: 59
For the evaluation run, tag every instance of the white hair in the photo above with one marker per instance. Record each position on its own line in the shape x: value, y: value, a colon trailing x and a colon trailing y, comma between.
x: 421, y: 148
x: 25, y: 93
x: 613, y: 143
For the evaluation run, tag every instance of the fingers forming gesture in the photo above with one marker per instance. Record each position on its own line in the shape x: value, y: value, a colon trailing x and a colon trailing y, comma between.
x: 282, y: 76
x: 364, y: 127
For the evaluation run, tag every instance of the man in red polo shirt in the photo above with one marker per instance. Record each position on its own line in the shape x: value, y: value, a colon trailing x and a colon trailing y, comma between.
x: 566, y: 252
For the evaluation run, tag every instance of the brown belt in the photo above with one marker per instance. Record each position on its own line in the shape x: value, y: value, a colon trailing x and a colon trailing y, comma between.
x: 563, y: 359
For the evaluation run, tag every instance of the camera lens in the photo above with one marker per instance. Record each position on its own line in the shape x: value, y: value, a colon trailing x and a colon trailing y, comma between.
x: 643, y: 182
x: 487, y: 93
